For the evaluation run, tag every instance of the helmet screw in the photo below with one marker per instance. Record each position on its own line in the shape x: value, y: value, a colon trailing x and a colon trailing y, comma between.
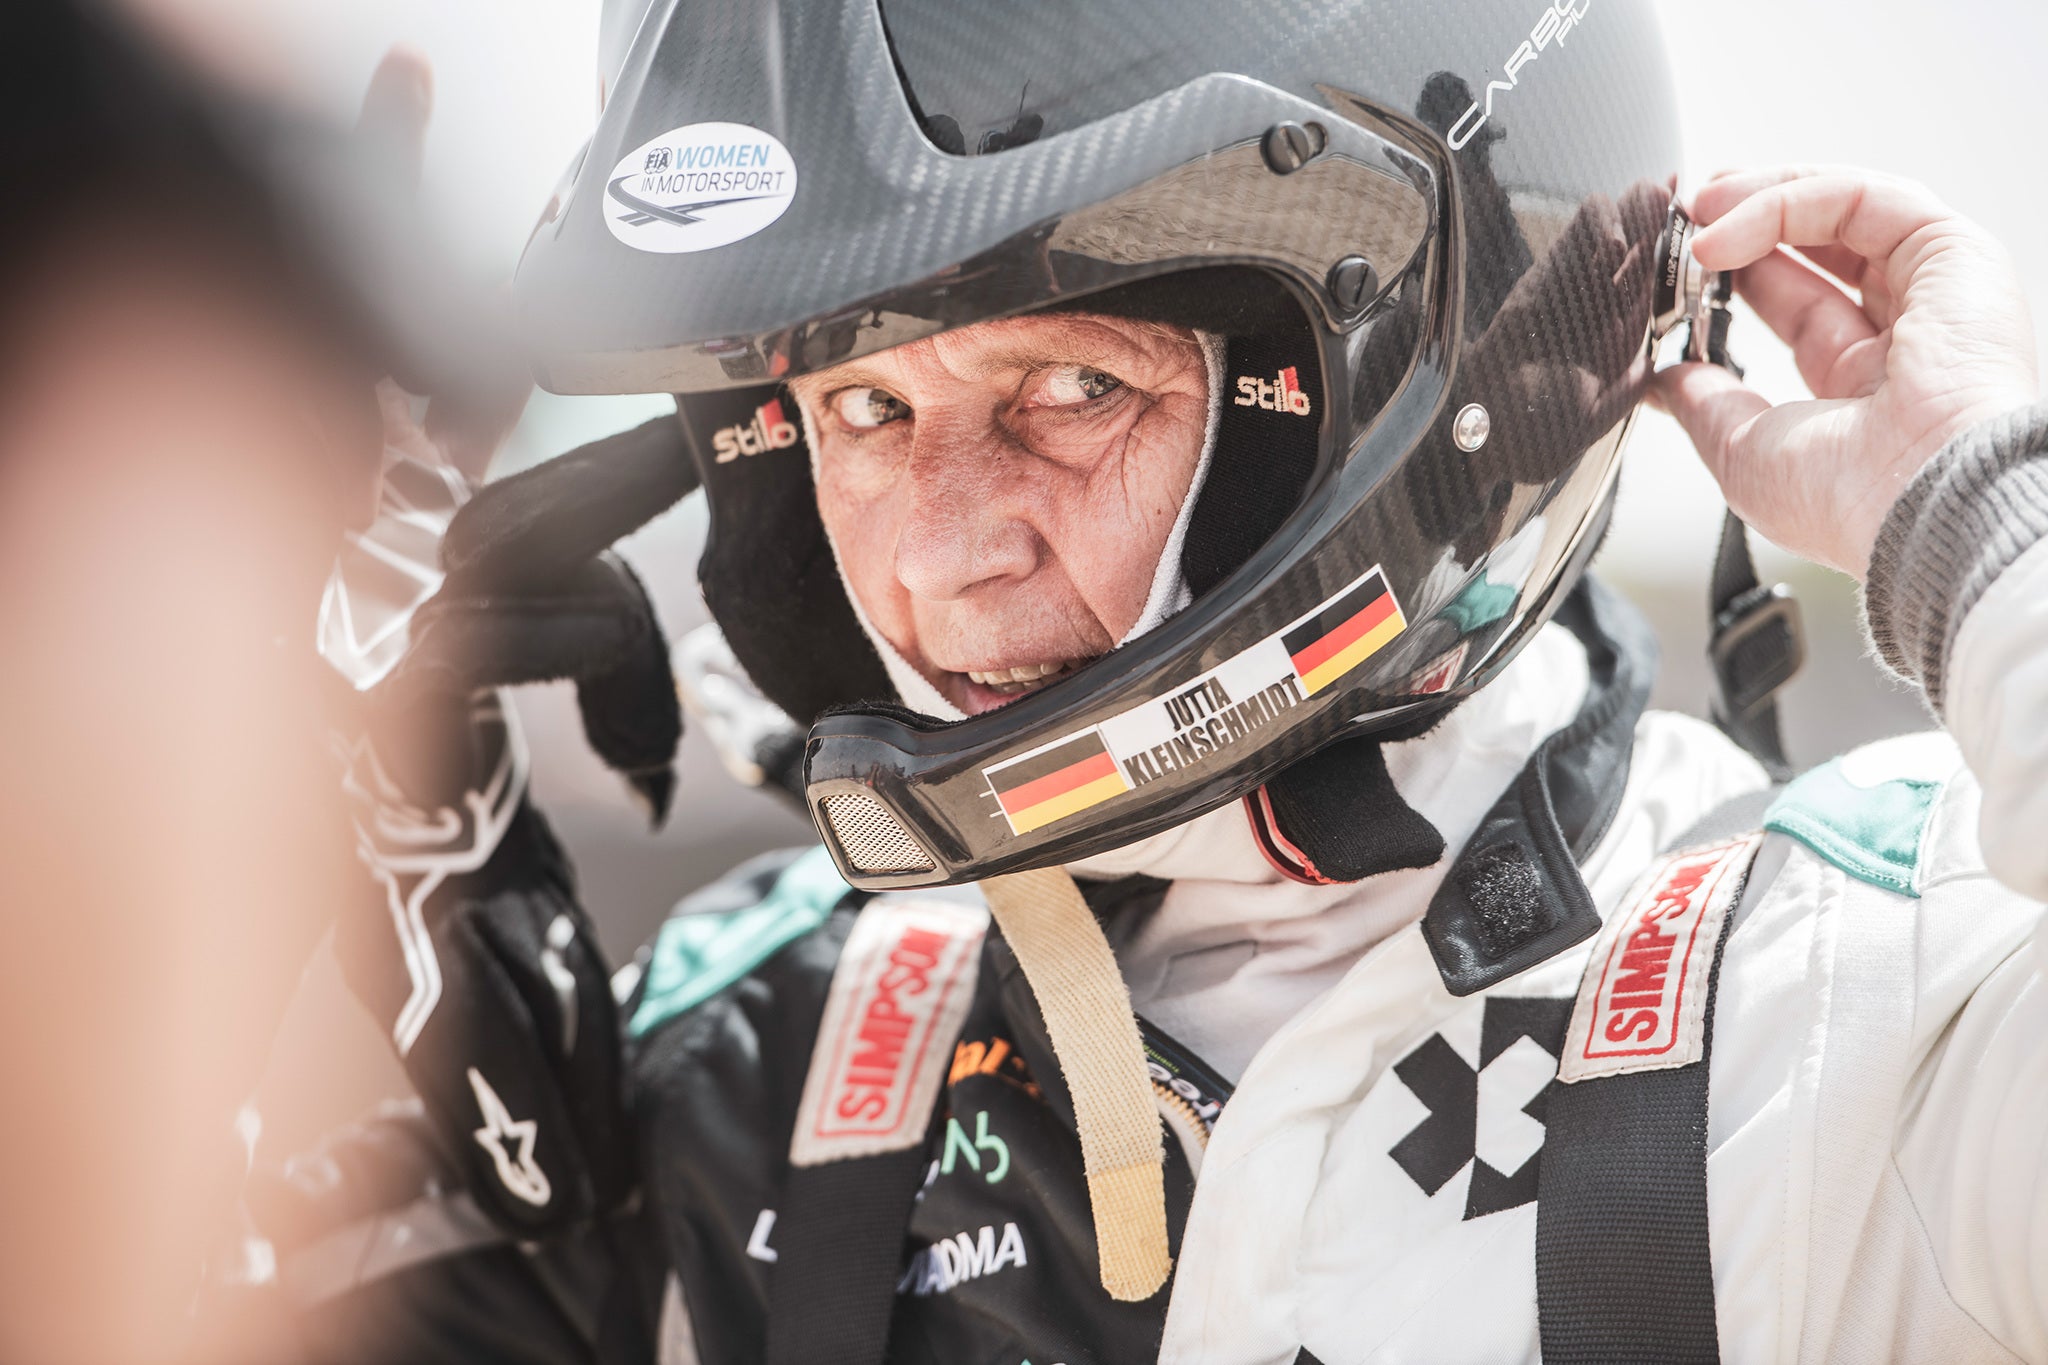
x: 1471, y: 428
x: 1353, y: 282
x: 1290, y: 146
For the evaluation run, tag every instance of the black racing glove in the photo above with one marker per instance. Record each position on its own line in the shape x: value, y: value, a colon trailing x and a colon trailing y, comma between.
x: 469, y: 946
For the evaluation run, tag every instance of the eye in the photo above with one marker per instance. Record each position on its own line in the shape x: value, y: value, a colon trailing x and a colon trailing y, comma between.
x: 868, y: 407
x: 1071, y: 384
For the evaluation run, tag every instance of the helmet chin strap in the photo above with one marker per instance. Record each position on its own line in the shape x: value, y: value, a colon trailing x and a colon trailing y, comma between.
x: 1169, y: 593
x: 1087, y: 1009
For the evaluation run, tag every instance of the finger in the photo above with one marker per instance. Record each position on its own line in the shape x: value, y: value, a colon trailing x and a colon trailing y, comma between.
x: 1844, y: 264
x: 1774, y: 464
x: 1871, y: 217
x: 393, y: 124
x: 1725, y: 189
x: 1809, y: 313
x: 1861, y: 369
x: 1712, y: 405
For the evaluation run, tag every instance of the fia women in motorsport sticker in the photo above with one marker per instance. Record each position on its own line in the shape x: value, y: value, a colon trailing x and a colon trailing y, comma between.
x: 697, y: 187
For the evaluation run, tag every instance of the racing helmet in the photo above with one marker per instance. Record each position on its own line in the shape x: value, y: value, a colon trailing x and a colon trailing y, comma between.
x: 1430, y: 241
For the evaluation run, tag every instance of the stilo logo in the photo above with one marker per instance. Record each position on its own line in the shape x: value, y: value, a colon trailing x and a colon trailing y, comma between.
x: 769, y: 430
x: 1555, y: 22
x: 1281, y: 393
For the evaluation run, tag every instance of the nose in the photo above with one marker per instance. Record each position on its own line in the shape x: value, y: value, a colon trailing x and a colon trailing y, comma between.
x: 967, y: 491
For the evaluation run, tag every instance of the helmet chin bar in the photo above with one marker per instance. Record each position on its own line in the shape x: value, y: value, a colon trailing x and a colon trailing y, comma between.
x: 902, y: 802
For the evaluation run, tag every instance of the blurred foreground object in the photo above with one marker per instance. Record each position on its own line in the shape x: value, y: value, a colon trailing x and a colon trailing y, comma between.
x: 188, y: 422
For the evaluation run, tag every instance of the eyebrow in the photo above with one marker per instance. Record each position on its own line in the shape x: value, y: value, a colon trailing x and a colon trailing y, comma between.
x: 1076, y: 344
x: 848, y: 375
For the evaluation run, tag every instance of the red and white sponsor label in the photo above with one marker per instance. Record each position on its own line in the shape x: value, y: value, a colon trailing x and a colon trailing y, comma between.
x: 898, y: 1001
x: 1643, y: 1003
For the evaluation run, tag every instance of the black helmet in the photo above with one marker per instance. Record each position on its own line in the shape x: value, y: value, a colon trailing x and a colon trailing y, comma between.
x: 1428, y: 237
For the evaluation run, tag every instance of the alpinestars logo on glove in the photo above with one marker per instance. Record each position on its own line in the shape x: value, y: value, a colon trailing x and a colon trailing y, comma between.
x: 517, y: 1170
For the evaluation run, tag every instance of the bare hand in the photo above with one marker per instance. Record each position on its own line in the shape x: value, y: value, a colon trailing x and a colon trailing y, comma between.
x: 1906, y: 321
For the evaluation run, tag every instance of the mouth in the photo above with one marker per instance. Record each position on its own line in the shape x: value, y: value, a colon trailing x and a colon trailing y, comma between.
x: 990, y: 688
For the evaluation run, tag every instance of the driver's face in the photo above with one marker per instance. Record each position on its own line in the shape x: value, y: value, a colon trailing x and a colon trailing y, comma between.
x: 1000, y: 496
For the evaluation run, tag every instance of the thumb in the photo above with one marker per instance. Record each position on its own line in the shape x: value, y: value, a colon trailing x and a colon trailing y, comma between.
x: 1712, y: 405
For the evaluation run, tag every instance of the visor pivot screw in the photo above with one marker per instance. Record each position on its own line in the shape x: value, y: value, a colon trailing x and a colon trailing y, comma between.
x: 1290, y: 146
x: 1471, y: 427
x: 1353, y: 282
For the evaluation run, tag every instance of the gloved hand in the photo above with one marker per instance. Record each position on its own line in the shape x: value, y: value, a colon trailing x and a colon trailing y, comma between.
x: 469, y: 947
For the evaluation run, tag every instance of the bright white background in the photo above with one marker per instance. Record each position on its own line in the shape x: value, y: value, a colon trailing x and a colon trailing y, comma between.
x: 1943, y: 93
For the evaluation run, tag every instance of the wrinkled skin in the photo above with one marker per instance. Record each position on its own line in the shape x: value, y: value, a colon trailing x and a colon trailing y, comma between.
x: 1000, y: 496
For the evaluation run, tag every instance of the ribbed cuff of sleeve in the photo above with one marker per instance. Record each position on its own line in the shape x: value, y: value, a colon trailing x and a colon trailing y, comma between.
x: 1978, y: 505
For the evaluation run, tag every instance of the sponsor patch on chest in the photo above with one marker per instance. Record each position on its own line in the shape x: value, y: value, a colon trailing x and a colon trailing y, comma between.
x: 1643, y: 1003
x: 898, y: 1001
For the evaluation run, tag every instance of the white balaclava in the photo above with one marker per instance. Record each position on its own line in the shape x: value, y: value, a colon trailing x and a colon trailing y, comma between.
x: 1170, y: 592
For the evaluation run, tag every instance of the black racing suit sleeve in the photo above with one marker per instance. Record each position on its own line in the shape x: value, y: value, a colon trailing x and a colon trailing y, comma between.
x: 383, y: 1250
x: 488, y: 1219
x: 381, y: 1255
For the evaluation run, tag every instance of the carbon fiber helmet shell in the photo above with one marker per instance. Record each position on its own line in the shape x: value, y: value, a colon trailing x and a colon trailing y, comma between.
x: 1460, y: 210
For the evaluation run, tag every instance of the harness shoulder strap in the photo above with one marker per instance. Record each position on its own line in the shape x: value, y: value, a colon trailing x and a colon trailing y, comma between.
x: 858, y: 1152
x: 1623, y: 1271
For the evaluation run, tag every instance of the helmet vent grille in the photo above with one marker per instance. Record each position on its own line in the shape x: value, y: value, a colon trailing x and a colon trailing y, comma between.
x: 871, y: 838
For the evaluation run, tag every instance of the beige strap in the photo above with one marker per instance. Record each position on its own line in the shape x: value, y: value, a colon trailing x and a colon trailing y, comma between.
x: 1087, y: 1011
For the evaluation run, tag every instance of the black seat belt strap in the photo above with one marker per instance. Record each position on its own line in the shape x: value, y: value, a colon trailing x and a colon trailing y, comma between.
x: 864, y: 1127
x: 839, y: 1253
x: 1623, y: 1270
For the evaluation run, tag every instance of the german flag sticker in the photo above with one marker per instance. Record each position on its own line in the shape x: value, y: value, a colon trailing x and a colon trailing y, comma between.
x: 1066, y: 776
x: 1344, y: 633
